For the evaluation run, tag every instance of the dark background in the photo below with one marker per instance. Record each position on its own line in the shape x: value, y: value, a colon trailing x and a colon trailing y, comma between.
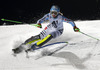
x: 31, y: 10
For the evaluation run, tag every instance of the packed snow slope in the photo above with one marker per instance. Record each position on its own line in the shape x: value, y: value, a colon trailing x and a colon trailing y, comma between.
x: 82, y: 53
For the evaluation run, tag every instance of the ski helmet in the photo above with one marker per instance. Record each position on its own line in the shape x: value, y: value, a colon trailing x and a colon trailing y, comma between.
x: 54, y: 10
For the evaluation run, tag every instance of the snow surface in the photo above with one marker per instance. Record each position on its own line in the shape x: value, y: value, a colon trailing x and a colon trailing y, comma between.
x: 82, y: 53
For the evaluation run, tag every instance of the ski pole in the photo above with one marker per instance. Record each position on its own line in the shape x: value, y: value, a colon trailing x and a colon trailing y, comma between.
x: 10, y: 21
x: 19, y: 22
x: 89, y: 36
x: 95, y: 46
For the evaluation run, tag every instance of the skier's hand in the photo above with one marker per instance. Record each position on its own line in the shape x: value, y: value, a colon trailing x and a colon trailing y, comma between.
x: 76, y: 29
x: 39, y: 25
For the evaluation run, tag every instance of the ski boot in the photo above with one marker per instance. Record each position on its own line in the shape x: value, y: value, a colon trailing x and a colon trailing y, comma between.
x: 33, y: 47
x: 17, y: 50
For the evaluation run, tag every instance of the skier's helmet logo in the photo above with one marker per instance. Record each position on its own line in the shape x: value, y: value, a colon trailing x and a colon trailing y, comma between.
x: 54, y: 10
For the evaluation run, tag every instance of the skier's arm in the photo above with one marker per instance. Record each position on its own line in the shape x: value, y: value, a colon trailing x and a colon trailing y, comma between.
x: 76, y: 29
x: 45, y: 18
x: 68, y: 21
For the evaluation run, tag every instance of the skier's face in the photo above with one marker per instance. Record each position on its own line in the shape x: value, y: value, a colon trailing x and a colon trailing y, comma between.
x: 54, y: 14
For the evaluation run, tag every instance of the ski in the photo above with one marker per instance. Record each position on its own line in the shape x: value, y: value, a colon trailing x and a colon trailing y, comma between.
x: 50, y: 53
x: 50, y: 45
x: 27, y: 56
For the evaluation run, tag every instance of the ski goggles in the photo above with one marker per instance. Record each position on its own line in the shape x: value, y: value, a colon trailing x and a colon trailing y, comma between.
x: 54, y: 13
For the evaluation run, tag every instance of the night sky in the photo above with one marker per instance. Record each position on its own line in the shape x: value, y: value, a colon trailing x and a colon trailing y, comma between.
x: 32, y: 10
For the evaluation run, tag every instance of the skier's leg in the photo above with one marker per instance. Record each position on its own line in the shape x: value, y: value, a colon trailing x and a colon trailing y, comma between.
x: 32, y: 39
x: 42, y: 42
x: 28, y: 41
x: 47, y: 38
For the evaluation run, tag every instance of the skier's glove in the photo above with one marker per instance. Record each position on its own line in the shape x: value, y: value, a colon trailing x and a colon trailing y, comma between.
x: 39, y: 25
x: 76, y: 29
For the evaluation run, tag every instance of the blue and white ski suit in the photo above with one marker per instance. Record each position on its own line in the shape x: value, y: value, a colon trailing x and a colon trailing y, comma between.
x: 55, y: 26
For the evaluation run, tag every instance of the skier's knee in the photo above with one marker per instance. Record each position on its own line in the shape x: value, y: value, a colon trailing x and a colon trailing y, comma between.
x: 44, y: 40
x: 32, y: 39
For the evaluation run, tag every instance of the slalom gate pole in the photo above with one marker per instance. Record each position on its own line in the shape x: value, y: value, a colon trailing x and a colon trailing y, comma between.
x: 89, y: 36
x: 19, y: 22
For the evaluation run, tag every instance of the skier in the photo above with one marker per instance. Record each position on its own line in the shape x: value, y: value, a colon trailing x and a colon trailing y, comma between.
x: 53, y: 29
